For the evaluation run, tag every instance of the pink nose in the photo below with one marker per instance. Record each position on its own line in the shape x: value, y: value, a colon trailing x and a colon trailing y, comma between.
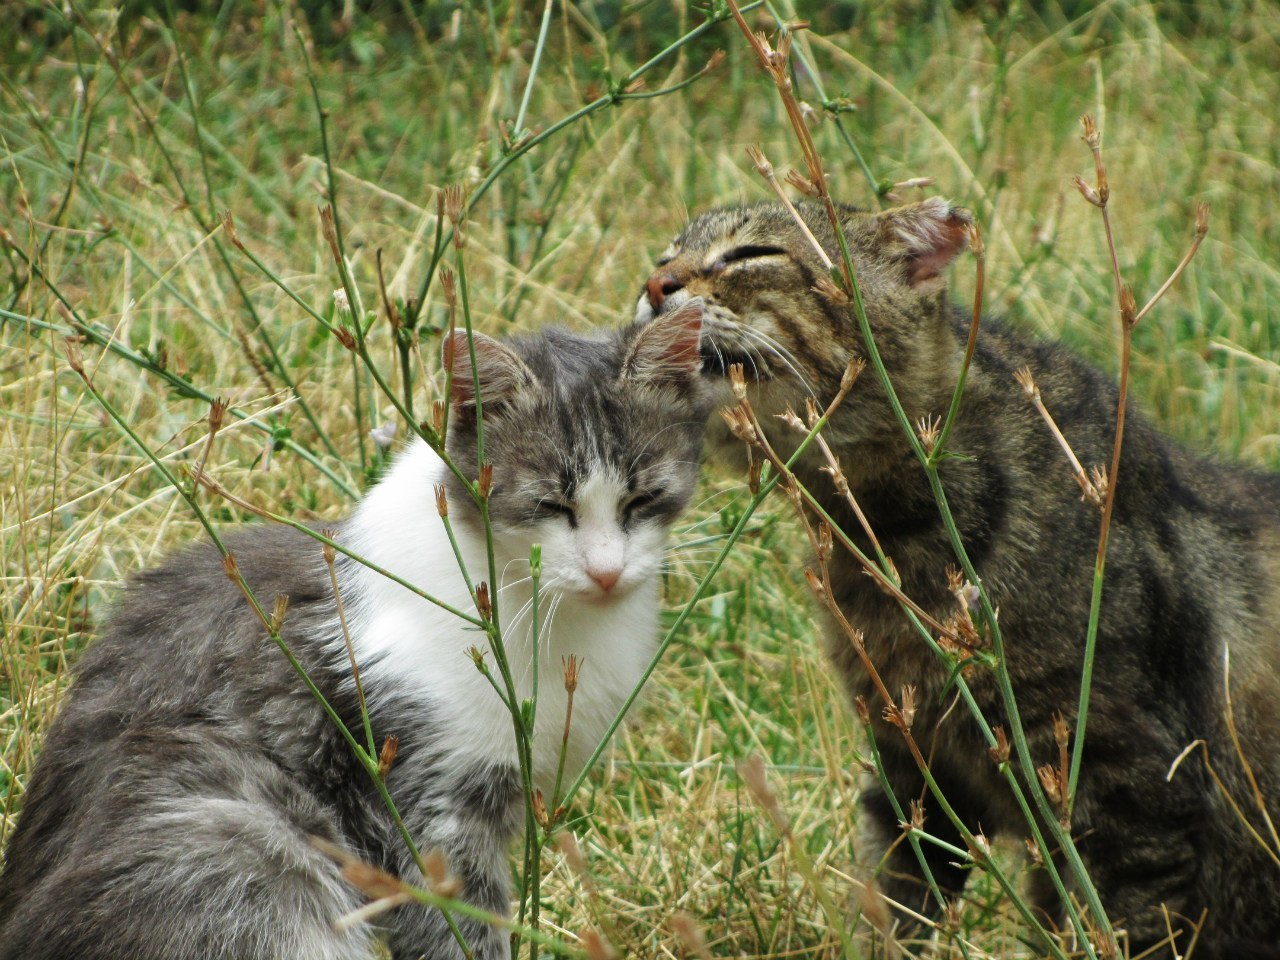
x: 606, y: 578
x: 659, y: 287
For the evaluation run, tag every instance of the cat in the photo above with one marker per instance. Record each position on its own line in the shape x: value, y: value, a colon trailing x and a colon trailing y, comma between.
x: 172, y: 810
x: 1193, y: 568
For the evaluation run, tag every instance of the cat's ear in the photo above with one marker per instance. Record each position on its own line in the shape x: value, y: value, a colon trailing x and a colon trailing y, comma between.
x: 924, y: 237
x: 501, y: 372
x: 666, y: 349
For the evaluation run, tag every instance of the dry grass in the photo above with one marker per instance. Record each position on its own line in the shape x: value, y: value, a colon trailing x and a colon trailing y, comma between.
x: 988, y: 107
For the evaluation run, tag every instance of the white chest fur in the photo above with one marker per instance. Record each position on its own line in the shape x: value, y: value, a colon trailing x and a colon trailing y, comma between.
x: 406, y: 645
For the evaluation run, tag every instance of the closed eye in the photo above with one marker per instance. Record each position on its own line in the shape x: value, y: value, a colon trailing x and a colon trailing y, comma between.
x: 750, y: 253
x: 560, y: 508
x: 640, y: 502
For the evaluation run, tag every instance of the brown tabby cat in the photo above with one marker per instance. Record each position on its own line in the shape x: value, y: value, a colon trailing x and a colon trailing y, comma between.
x: 1193, y: 570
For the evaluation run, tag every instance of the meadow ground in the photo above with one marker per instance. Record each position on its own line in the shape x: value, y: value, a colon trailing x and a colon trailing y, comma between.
x: 127, y: 131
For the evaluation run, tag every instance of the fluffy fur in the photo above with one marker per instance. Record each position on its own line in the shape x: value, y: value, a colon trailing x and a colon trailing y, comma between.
x: 1191, y: 572
x: 171, y: 811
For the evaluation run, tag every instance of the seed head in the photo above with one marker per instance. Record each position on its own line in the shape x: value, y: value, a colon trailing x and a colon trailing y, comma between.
x: 1088, y: 192
x: 486, y: 480
x: 815, y: 584
x: 1202, y: 220
x: 908, y: 706
x: 1099, y: 481
x: 860, y: 705
x: 917, y: 814
x: 1028, y: 383
x: 928, y: 429
x: 449, y: 284
x: 853, y: 369
x: 830, y: 291
x: 789, y: 417
x: 976, y: 245
x: 1049, y: 779
x: 1061, y: 732
x: 1128, y: 307
x: 452, y: 199
x: 71, y: 346
x: 572, y: 667
x: 217, y: 410
x: 811, y: 412
x: 484, y: 606
x: 760, y: 161
x: 802, y: 183
x: 540, y: 810
x: 824, y: 542
x: 1092, y: 135
x: 740, y: 425
x: 229, y: 229
x: 1033, y: 851
x: 442, y: 500
x: 738, y: 380
x: 980, y: 848
x: 388, y: 755
x: 278, y: 611
x: 345, y: 338
x: 1000, y: 752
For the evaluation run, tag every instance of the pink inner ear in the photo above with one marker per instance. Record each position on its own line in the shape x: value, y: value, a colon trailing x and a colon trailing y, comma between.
x: 950, y: 236
x: 682, y: 348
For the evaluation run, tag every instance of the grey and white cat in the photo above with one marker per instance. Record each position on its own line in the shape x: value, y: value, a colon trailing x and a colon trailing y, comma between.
x: 1193, y: 571
x: 171, y: 812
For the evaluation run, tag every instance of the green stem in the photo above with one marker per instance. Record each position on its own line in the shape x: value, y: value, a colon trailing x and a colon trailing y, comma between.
x: 524, y: 146
x: 533, y: 68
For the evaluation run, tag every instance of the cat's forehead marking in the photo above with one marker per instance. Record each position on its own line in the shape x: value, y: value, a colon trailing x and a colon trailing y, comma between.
x: 598, y: 495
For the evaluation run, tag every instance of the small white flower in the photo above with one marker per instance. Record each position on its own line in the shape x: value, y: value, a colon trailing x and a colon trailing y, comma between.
x: 340, y: 300
x: 384, y: 434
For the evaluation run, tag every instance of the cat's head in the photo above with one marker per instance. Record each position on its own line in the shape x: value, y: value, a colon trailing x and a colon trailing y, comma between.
x: 594, y: 444
x: 763, y: 284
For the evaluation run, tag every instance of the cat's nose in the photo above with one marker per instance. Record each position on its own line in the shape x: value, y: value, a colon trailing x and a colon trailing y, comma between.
x: 605, y: 577
x: 661, y: 286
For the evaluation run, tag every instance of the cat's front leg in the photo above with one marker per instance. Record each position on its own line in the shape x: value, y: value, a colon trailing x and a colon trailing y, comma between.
x: 477, y: 859
x: 888, y: 860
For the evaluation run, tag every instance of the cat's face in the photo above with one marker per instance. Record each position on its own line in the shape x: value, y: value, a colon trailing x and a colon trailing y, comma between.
x: 594, y: 446
x: 761, y: 279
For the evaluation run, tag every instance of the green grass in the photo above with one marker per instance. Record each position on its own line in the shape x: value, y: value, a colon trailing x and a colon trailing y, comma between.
x: 113, y: 182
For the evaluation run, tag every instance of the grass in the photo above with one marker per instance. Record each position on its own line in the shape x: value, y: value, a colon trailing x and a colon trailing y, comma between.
x: 115, y: 169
